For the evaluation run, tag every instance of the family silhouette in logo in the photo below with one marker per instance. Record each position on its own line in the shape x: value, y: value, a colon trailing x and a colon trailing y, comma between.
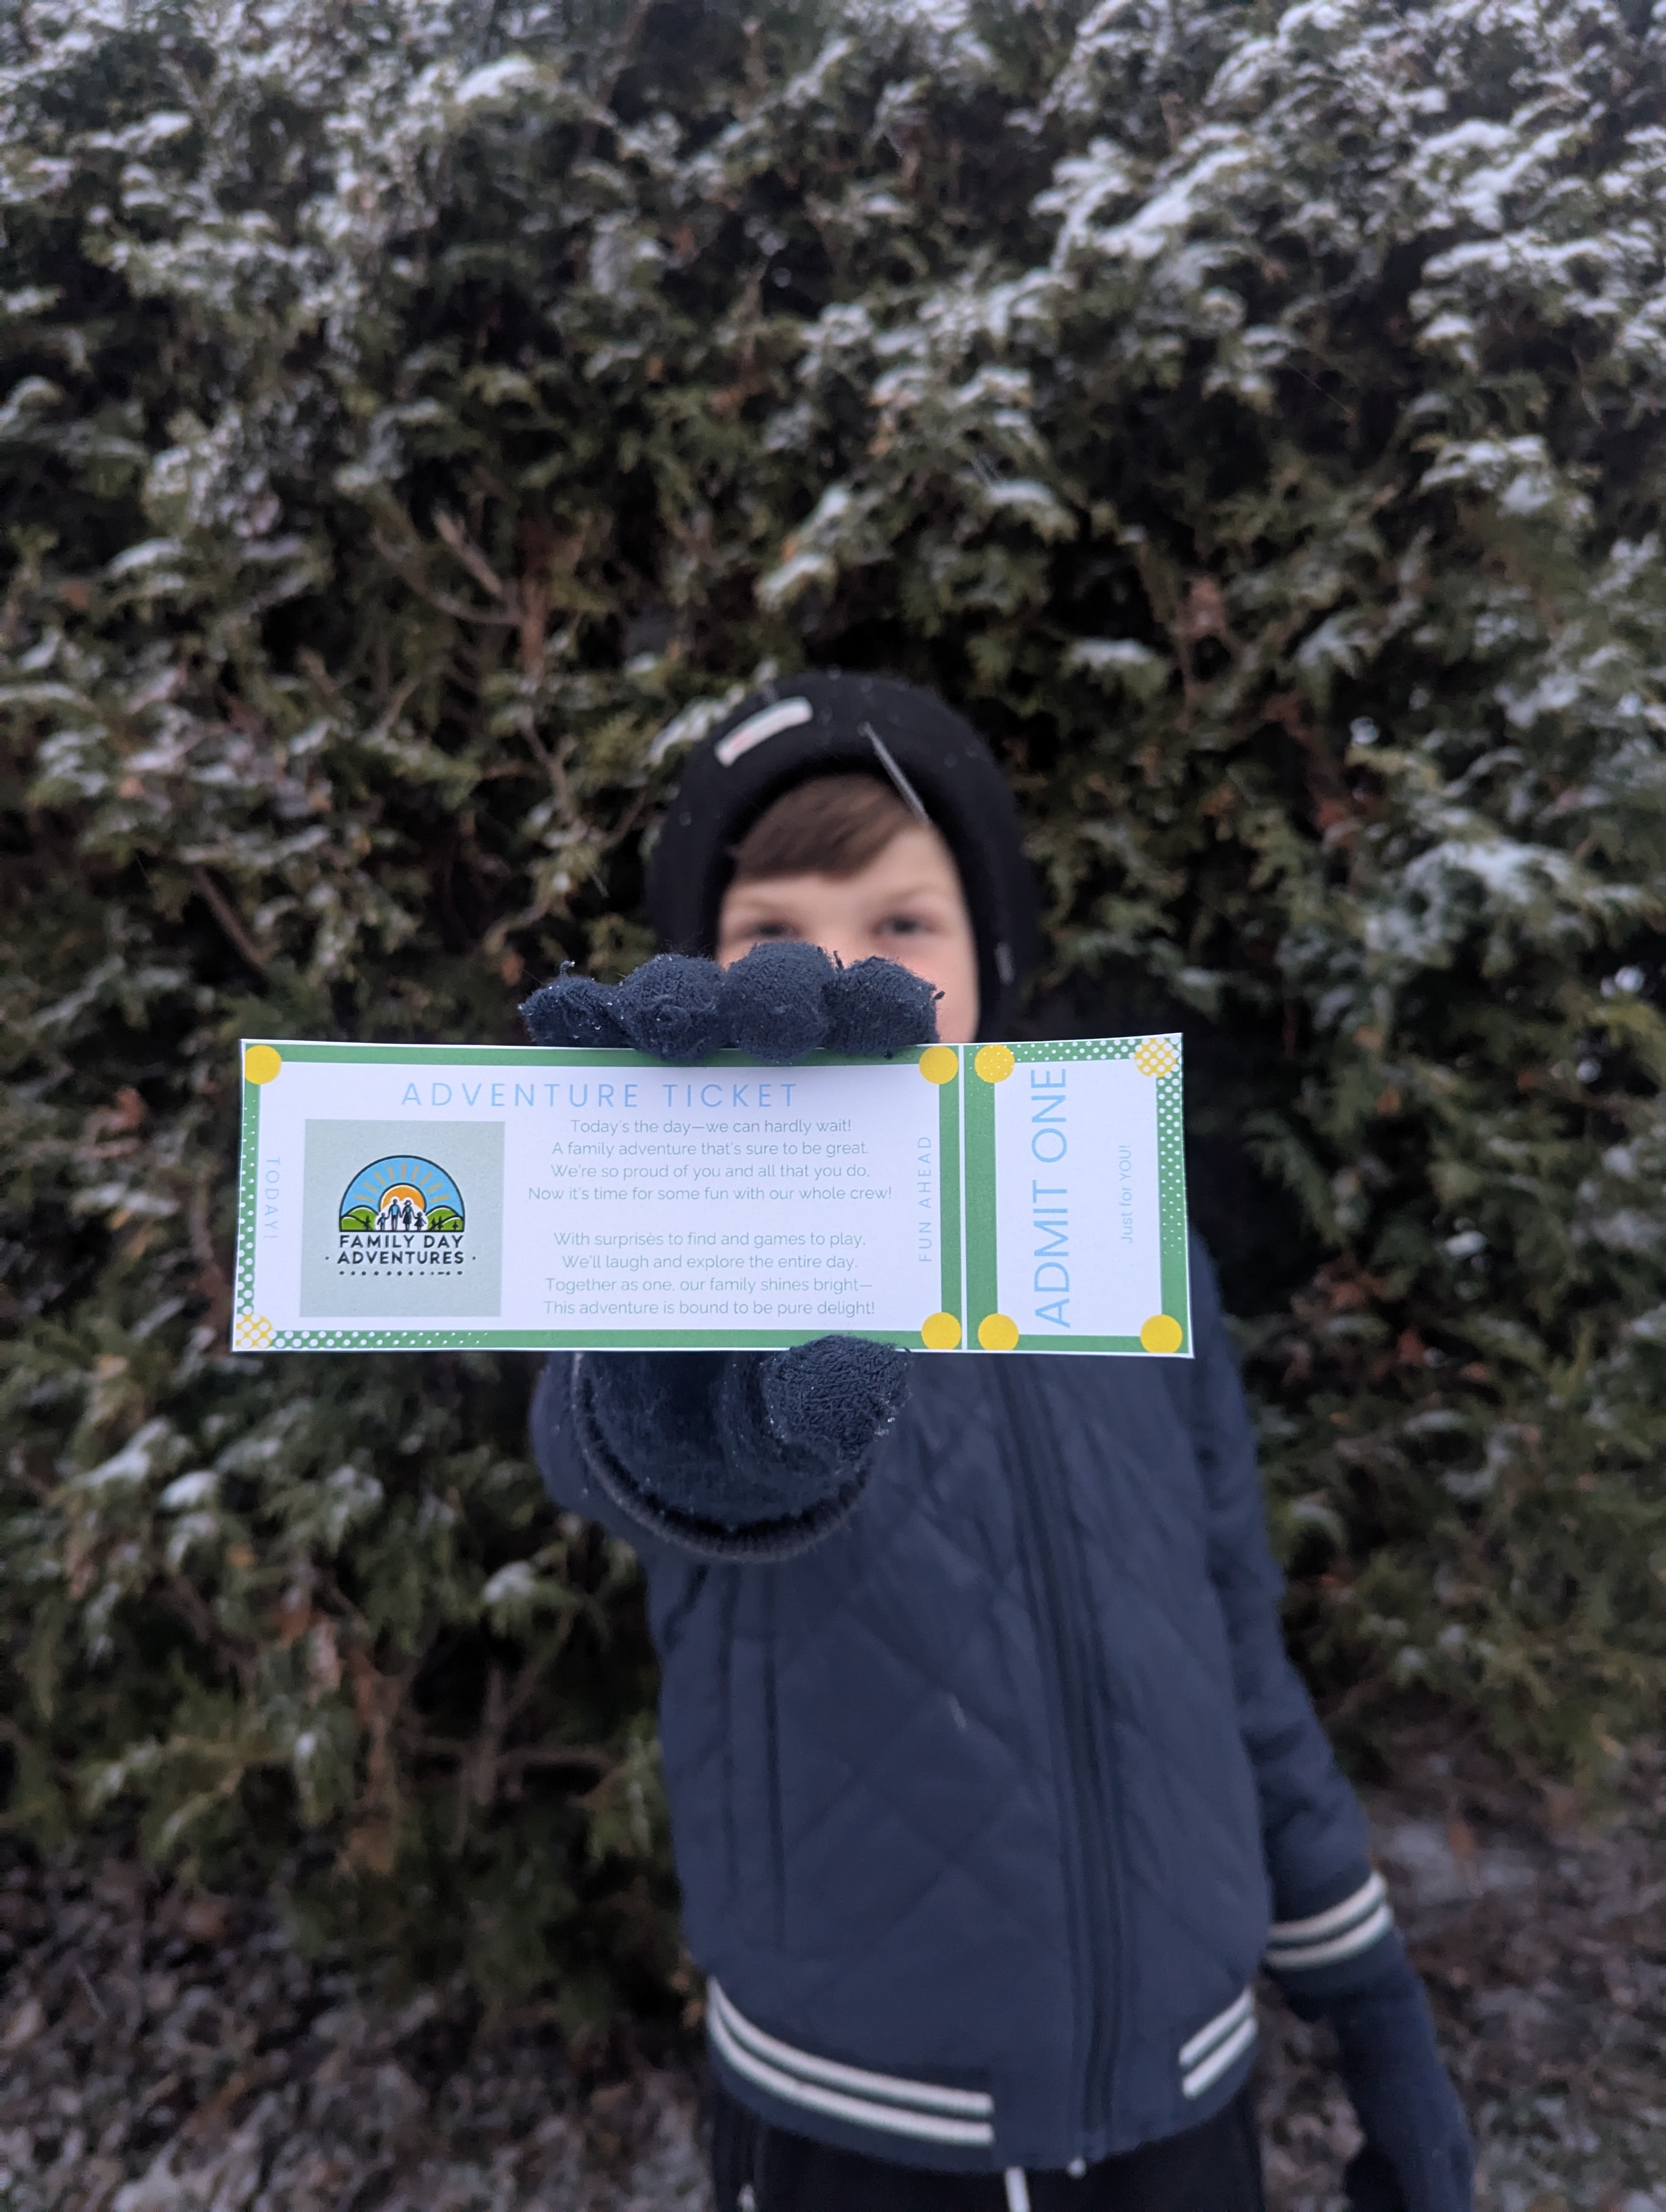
x: 401, y: 1197
x: 400, y: 1213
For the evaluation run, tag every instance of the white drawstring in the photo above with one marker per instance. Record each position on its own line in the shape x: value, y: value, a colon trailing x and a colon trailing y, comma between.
x: 1017, y: 2189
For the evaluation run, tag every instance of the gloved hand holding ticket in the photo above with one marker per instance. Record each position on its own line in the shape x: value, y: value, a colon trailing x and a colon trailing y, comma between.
x: 987, y: 1197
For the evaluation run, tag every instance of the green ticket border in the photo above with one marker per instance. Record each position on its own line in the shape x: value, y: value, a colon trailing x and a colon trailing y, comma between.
x: 982, y: 1297
x: 252, y: 1332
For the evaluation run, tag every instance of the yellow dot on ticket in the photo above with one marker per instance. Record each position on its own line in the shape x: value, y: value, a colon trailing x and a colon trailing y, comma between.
x: 939, y: 1063
x: 261, y: 1062
x: 995, y: 1063
x: 940, y: 1332
x: 997, y: 1332
x: 1156, y: 1057
x: 1162, y: 1333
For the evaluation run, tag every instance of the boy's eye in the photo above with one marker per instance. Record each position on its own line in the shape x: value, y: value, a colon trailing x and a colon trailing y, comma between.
x: 902, y: 925
x: 773, y: 929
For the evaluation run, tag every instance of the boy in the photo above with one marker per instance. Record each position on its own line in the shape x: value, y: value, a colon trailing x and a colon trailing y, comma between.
x: 991, y: 1784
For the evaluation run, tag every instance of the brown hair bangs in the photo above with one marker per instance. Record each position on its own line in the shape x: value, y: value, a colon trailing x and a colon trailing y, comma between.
x: 833, y: 826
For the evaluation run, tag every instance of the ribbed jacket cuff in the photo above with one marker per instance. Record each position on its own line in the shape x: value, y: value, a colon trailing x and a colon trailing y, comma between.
x: 1343, y: 1947
x: 760, y: 1541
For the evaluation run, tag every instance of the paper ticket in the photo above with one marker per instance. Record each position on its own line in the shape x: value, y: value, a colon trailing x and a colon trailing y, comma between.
x: 993, y: 1198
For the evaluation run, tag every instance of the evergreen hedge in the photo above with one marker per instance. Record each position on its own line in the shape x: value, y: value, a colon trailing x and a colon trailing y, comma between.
x: 420, y: 417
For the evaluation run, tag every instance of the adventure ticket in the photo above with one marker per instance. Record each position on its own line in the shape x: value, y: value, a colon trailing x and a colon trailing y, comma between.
x: 995, y: 1198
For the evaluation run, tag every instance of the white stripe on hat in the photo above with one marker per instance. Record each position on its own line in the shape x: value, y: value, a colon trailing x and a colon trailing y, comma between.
x: 768, y: 722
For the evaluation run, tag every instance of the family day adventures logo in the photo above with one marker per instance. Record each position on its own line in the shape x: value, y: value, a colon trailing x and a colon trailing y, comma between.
x: 402, y: 1218
x: 395, y: 1204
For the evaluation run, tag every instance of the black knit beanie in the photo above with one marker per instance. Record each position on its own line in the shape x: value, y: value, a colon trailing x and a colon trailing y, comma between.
x: 827, y: 725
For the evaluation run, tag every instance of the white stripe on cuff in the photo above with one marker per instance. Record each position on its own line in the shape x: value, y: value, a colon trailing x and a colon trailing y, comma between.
x: 923, y: 2110
x: 1339, y: 1932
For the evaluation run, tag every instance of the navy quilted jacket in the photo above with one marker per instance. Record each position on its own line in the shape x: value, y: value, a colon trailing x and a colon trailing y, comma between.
x: 988, y: 1805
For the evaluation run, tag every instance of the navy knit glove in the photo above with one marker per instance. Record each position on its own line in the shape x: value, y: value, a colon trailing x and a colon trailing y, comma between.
x: 1418, y: 2155
x: 739, y: 1455
x: 782, y: 1001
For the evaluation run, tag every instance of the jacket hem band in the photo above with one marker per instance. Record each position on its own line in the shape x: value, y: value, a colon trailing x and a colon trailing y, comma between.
x: 1217, y: 2045
x: 887, y: 2102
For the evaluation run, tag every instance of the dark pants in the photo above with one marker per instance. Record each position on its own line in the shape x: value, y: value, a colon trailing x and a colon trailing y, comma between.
x: 758, y: 2168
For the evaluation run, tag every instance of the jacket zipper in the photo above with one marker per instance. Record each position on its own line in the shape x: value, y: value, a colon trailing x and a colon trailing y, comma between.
x: 1066, y: 1637
x: 772, y: 1769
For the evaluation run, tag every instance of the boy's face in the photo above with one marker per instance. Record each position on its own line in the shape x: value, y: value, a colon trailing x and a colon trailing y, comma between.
x: 907, y: 906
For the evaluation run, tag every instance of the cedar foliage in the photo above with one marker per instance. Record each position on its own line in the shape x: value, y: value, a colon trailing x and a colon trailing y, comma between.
x: 420, y: 417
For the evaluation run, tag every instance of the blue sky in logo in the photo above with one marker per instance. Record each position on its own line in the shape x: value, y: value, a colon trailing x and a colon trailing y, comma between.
x: 405, y: 1170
